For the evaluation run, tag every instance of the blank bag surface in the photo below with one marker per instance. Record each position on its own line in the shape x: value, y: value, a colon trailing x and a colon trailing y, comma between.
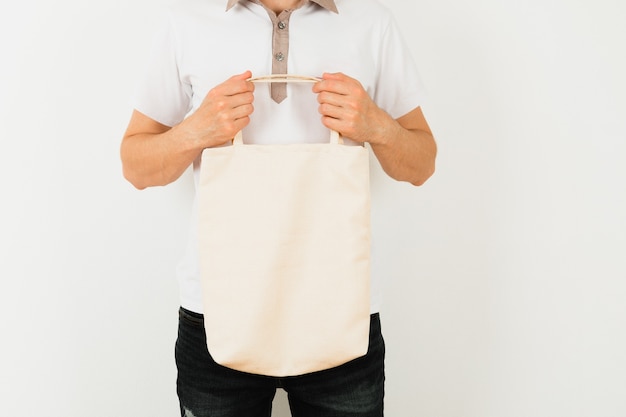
x: 284, y: 239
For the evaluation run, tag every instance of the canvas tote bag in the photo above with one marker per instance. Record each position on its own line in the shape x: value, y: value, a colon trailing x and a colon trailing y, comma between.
x: 284, y: 240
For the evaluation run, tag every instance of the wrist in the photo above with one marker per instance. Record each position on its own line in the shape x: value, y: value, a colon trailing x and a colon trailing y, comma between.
x: 387, y: 129
x: 187, y: 138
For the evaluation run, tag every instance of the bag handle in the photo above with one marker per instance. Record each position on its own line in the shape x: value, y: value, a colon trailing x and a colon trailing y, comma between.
x: 284, y: 78
x: 335, y: 138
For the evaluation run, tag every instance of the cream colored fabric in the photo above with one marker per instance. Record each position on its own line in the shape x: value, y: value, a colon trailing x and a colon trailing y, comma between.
x: 284, y: 237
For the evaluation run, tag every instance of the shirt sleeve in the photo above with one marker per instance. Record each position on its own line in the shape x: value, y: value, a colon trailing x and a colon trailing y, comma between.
x: 399, y: 88
x: 160, y: 94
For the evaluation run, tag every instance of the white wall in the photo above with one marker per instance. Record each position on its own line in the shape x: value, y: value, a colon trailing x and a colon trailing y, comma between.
x: 507, y: 282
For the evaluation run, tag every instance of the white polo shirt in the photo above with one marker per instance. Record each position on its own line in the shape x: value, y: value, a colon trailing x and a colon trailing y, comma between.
x: 202, y: 44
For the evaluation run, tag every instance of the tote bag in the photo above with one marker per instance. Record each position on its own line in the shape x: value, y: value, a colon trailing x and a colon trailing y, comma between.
x: 284, y: 240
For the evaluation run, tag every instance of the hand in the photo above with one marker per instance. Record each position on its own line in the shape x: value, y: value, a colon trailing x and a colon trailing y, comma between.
x: 346, y: 107
x: 224, y: 111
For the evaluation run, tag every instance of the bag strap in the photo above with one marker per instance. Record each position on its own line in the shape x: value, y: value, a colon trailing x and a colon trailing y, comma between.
x: 284, y: 78
x: 335, y: 138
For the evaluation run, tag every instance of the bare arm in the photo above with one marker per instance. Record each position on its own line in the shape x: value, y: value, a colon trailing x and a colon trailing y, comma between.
x: 404, y: 147
x: 155, y: 154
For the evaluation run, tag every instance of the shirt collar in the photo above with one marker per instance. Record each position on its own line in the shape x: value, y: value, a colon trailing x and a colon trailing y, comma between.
x: 327, y: 4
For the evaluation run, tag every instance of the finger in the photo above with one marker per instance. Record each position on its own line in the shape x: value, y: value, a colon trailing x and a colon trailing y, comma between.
x: 225, y: 104
x: 230, y: 122
x: 237, y: 84
x: 244, y: 75
x: 242, y: 111
x: 235, y: 87
x: 331, y: 111
x: 332, y: 86
x: 240, y: 99
x: 339, y: 76
x: 332, y: 123
x: 326, y: 97
x: 240, y: 123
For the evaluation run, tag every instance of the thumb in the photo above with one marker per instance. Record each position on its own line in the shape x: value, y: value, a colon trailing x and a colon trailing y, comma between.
x: 243, y: 76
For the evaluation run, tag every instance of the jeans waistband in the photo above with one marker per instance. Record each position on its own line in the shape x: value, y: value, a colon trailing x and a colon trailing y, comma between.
x: 200, y: 317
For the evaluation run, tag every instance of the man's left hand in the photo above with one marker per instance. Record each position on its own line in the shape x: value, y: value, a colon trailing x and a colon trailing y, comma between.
x: 346, y: 107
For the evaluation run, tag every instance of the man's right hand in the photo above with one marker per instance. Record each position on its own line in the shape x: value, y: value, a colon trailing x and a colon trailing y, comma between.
x: 225, y: 110
x: 155, y: 154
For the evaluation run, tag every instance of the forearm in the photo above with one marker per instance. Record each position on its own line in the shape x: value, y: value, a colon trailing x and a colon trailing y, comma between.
x: 153, y: 159
x: 404, y: 147
x: 405, y: 154
x: 155, y: 154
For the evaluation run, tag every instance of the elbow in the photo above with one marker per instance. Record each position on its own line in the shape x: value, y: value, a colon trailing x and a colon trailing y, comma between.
x: 130, y: 172
x: 427, y: 168
x: 140, y: 179
x: 421, y: 180
x: 133, y: 179
x: 416, y: 176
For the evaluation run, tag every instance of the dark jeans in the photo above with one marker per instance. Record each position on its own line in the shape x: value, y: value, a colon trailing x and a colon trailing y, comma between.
x: 206, y: 389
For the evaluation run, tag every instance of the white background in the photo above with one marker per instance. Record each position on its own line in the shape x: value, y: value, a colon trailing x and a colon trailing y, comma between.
x: 507, y: 274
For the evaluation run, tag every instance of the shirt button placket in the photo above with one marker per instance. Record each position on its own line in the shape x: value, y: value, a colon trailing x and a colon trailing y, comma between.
x: 280, y: 49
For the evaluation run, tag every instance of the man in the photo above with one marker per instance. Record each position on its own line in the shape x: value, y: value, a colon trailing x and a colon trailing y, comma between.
x: 190, y: 100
